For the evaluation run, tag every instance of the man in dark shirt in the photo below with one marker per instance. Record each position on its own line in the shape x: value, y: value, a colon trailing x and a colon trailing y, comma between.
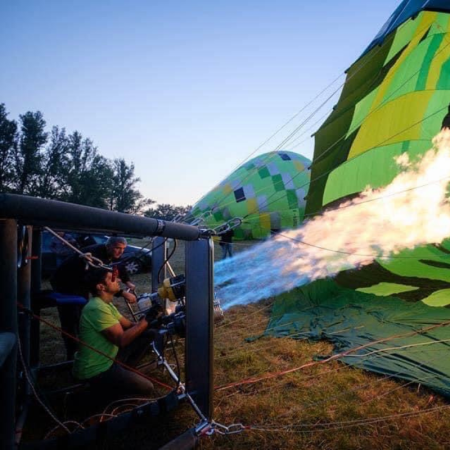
x: 69, y: 279
x: 226, y: 244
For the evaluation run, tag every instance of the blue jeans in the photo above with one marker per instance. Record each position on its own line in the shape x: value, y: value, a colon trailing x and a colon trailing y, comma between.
x: 227, y: 250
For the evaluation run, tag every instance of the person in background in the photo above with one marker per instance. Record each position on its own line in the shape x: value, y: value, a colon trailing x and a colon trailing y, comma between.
x: 60, y: 249
x: 103, y: 328
x: 226, y: 243
x: 70, y: 277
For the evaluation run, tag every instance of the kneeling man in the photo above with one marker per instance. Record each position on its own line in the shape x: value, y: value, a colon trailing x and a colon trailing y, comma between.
x: 103, y: 328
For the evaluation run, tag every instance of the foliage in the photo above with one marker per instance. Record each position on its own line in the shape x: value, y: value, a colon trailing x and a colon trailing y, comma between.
x: 165, y: 211
x: 29, y: 152
x: 63, y: 166
x: 8, y: 143
x: 125, y: 197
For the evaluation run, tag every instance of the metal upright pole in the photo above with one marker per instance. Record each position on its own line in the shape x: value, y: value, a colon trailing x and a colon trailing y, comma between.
x: 8, y: 327
x: 36, y: 275
x: 199, y: 323
x: 158, y: 257
x: 24, y: 298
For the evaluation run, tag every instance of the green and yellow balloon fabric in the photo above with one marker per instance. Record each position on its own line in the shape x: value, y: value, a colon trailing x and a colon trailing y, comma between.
x: 268, y: 193
x: 395, y: 100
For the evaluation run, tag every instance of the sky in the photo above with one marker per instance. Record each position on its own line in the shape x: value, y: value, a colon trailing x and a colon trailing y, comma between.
x: 186, y: 90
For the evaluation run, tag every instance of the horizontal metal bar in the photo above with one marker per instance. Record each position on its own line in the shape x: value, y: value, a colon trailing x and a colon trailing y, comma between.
x: 38, y: 211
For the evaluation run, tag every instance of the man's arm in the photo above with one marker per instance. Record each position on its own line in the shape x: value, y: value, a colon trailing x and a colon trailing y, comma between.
x: 123, y: 337
x: 128, y: 296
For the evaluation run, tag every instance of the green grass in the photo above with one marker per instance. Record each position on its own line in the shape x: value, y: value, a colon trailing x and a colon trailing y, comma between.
x: 329, y: 406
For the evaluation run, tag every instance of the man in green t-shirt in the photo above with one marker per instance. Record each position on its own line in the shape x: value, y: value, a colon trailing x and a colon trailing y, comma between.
x: 103, y: 328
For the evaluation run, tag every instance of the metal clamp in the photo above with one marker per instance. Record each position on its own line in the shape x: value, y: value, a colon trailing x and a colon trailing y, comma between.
x: 232, y: 223
x: 234, y: 428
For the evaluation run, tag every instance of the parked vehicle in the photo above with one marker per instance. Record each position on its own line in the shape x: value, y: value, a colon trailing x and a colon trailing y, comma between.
x: 136, y: 259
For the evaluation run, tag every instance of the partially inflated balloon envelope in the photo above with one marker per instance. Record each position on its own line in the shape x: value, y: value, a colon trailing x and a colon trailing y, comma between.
x: 395, y: 100
x: 268, y: 193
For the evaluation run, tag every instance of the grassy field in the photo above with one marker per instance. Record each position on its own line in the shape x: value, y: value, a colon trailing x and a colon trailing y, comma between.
x: 328, y: 406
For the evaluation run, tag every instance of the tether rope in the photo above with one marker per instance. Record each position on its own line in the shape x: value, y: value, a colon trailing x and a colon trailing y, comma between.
x: 337, y: 356
x: 327, y: 426
x: 382, y: 104
x: 279, y: 146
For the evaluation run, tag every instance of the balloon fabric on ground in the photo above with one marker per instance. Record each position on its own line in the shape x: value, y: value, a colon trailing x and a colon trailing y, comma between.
x: 268, y: 193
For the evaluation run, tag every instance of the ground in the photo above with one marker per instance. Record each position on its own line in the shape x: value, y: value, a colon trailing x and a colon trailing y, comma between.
x: 327, y: 406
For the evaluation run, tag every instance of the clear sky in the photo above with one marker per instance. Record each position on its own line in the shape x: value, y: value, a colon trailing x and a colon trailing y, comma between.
x: 184, y: 89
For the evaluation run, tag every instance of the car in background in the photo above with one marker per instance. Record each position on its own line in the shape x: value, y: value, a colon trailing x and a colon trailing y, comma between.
x: 135, y: 259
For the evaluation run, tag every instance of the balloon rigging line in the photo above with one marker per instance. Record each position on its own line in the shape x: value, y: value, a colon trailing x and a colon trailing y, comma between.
x: 346, y: 162
x: 337, y: 356
x: 378, y: 145
x: 349, y: 253
x: 264, y: 376
x: 377, y: 108
x: 312, y: 126
x: 356, y: 204
x: 381, y: 105
x: 280, y: 145
x: 352, y: 390
x: 277, y: 131
x: 329, y: 426
x: 390, y: 349
x: 303, y: 123
x: 291, y: 119
x: 267, y: 203
x: 217, y: 203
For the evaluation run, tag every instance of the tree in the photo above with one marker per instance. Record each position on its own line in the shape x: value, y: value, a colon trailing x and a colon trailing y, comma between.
x: 54, y: 162
x: 165, y: 211
x: 68, y: 168
x: 8, y: 143
x: 87, y: 175
x: 28, y: 154
x: 125, y: 197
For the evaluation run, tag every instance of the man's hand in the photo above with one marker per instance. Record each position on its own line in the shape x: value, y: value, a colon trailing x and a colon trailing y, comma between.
x: 130, y: 285
x: 153, y: 313
x: 129, y: 297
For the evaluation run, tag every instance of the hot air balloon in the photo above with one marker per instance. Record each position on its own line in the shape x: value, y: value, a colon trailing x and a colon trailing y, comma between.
x: 395, y: 100
x: 267, y: 193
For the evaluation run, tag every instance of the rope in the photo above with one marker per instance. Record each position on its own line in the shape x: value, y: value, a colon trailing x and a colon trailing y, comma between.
x: 96, y: 262
x: 382, y: 104
x: 317, y: 427
x: 91, y: 260
x: 331, y: 358
x: 279, y: 146
x: 372, y: 55
x: 36, y: 395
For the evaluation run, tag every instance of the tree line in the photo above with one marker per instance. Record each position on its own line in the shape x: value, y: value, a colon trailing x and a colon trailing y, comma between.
x: 68, y: 167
